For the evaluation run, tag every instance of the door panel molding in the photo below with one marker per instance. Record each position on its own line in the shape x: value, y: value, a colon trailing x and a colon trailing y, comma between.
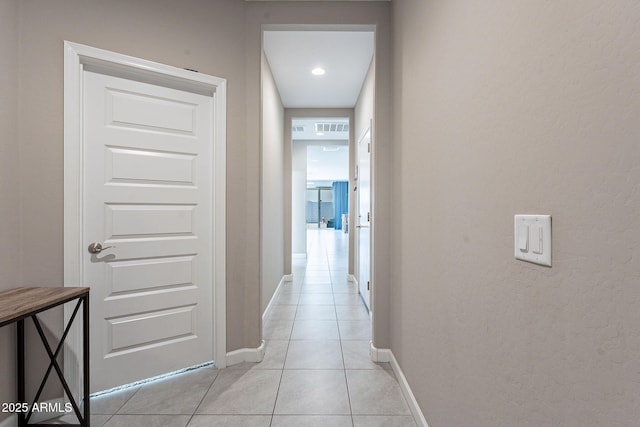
x: 79, y: 58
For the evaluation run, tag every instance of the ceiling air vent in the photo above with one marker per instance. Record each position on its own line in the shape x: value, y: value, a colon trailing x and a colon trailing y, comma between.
x: 332, y: 127
x: 298, y: 128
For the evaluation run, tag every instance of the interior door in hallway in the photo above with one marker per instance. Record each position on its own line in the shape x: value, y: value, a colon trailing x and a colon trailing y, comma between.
x: 364, y: 217
x: 148, y: 202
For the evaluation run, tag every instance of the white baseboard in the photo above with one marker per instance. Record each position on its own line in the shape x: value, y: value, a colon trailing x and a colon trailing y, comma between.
x: 241, y: 355
x: 379, y: 355
x: 384, y: 355
x: 286, y: 278
x: 38, y: 417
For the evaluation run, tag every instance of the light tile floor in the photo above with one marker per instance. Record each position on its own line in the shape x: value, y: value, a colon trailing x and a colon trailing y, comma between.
x: 316, y: 370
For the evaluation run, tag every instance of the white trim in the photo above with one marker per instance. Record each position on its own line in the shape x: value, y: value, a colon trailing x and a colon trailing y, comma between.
x: 76, y: 58
x: 253, y: 355
x: 379, y: 355
x: 220, y: 226
x: 72, y: 232
x: 318, y: 27
x: 299, y: 256
x: 356, y: 244
x: 408, y: 394
x: 351, y: 278
x: 384, y: 355
x: 267, y: 310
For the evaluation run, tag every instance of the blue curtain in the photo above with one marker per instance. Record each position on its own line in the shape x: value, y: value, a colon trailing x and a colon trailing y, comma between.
x: 340, y: 202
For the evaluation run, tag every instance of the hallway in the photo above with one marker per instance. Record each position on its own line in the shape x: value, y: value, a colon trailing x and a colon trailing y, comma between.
x: 316, y: 370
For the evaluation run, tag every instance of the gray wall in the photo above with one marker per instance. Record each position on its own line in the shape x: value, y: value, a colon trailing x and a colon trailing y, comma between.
x: 9, y: 186
x: 272, y: 197
x: 382, y: 175
x: 504, y: 108
x: 193, y: 34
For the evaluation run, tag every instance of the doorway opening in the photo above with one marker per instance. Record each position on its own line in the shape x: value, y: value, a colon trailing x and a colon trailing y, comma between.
x: 320, y: 174
x: 325, y: 79
x: 319, y: 211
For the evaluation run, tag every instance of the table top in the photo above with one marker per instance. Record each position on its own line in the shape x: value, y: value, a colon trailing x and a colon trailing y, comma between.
x: 18, y: 303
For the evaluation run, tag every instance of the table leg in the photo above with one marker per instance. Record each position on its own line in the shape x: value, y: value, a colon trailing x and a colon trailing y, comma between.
x: 85, y: 356
x: 21, y: 378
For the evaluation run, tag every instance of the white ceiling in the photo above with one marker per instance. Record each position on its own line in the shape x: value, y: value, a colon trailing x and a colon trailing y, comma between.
x: 305, y: 129
x: 313, y: 0
x: 345, y: 55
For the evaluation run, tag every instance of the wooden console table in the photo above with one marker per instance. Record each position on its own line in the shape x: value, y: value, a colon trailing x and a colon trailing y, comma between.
x: 18, y: 304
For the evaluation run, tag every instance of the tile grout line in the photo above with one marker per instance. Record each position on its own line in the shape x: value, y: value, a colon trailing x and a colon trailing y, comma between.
x: 203, y: 397
x: 124, y: 403
x: 344, y: 366
x: 286, y: 354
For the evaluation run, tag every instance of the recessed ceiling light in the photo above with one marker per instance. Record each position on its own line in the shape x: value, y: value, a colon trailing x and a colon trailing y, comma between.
x: 319, y: 133
x: 318, y: 71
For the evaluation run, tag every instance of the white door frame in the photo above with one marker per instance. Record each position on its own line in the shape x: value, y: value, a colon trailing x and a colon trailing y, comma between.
x: 77, y: 58
x: 356, y: 261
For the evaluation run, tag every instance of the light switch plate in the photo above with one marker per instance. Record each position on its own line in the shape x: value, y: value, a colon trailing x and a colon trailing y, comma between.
x: 538, y: 238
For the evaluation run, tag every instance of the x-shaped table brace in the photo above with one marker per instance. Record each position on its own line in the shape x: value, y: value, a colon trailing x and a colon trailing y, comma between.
x: 83, y: 416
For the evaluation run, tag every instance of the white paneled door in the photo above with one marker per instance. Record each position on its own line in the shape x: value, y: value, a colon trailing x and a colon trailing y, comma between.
x: 147, y: 188
x: 364, y: 218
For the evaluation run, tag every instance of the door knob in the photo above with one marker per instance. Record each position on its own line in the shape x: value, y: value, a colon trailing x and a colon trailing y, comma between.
x: 96, y: 248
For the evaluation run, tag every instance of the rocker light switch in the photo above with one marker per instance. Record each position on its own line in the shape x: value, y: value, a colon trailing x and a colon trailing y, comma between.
x: 533, y: 238
x: 523, y: 237
x: 537, y: 239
